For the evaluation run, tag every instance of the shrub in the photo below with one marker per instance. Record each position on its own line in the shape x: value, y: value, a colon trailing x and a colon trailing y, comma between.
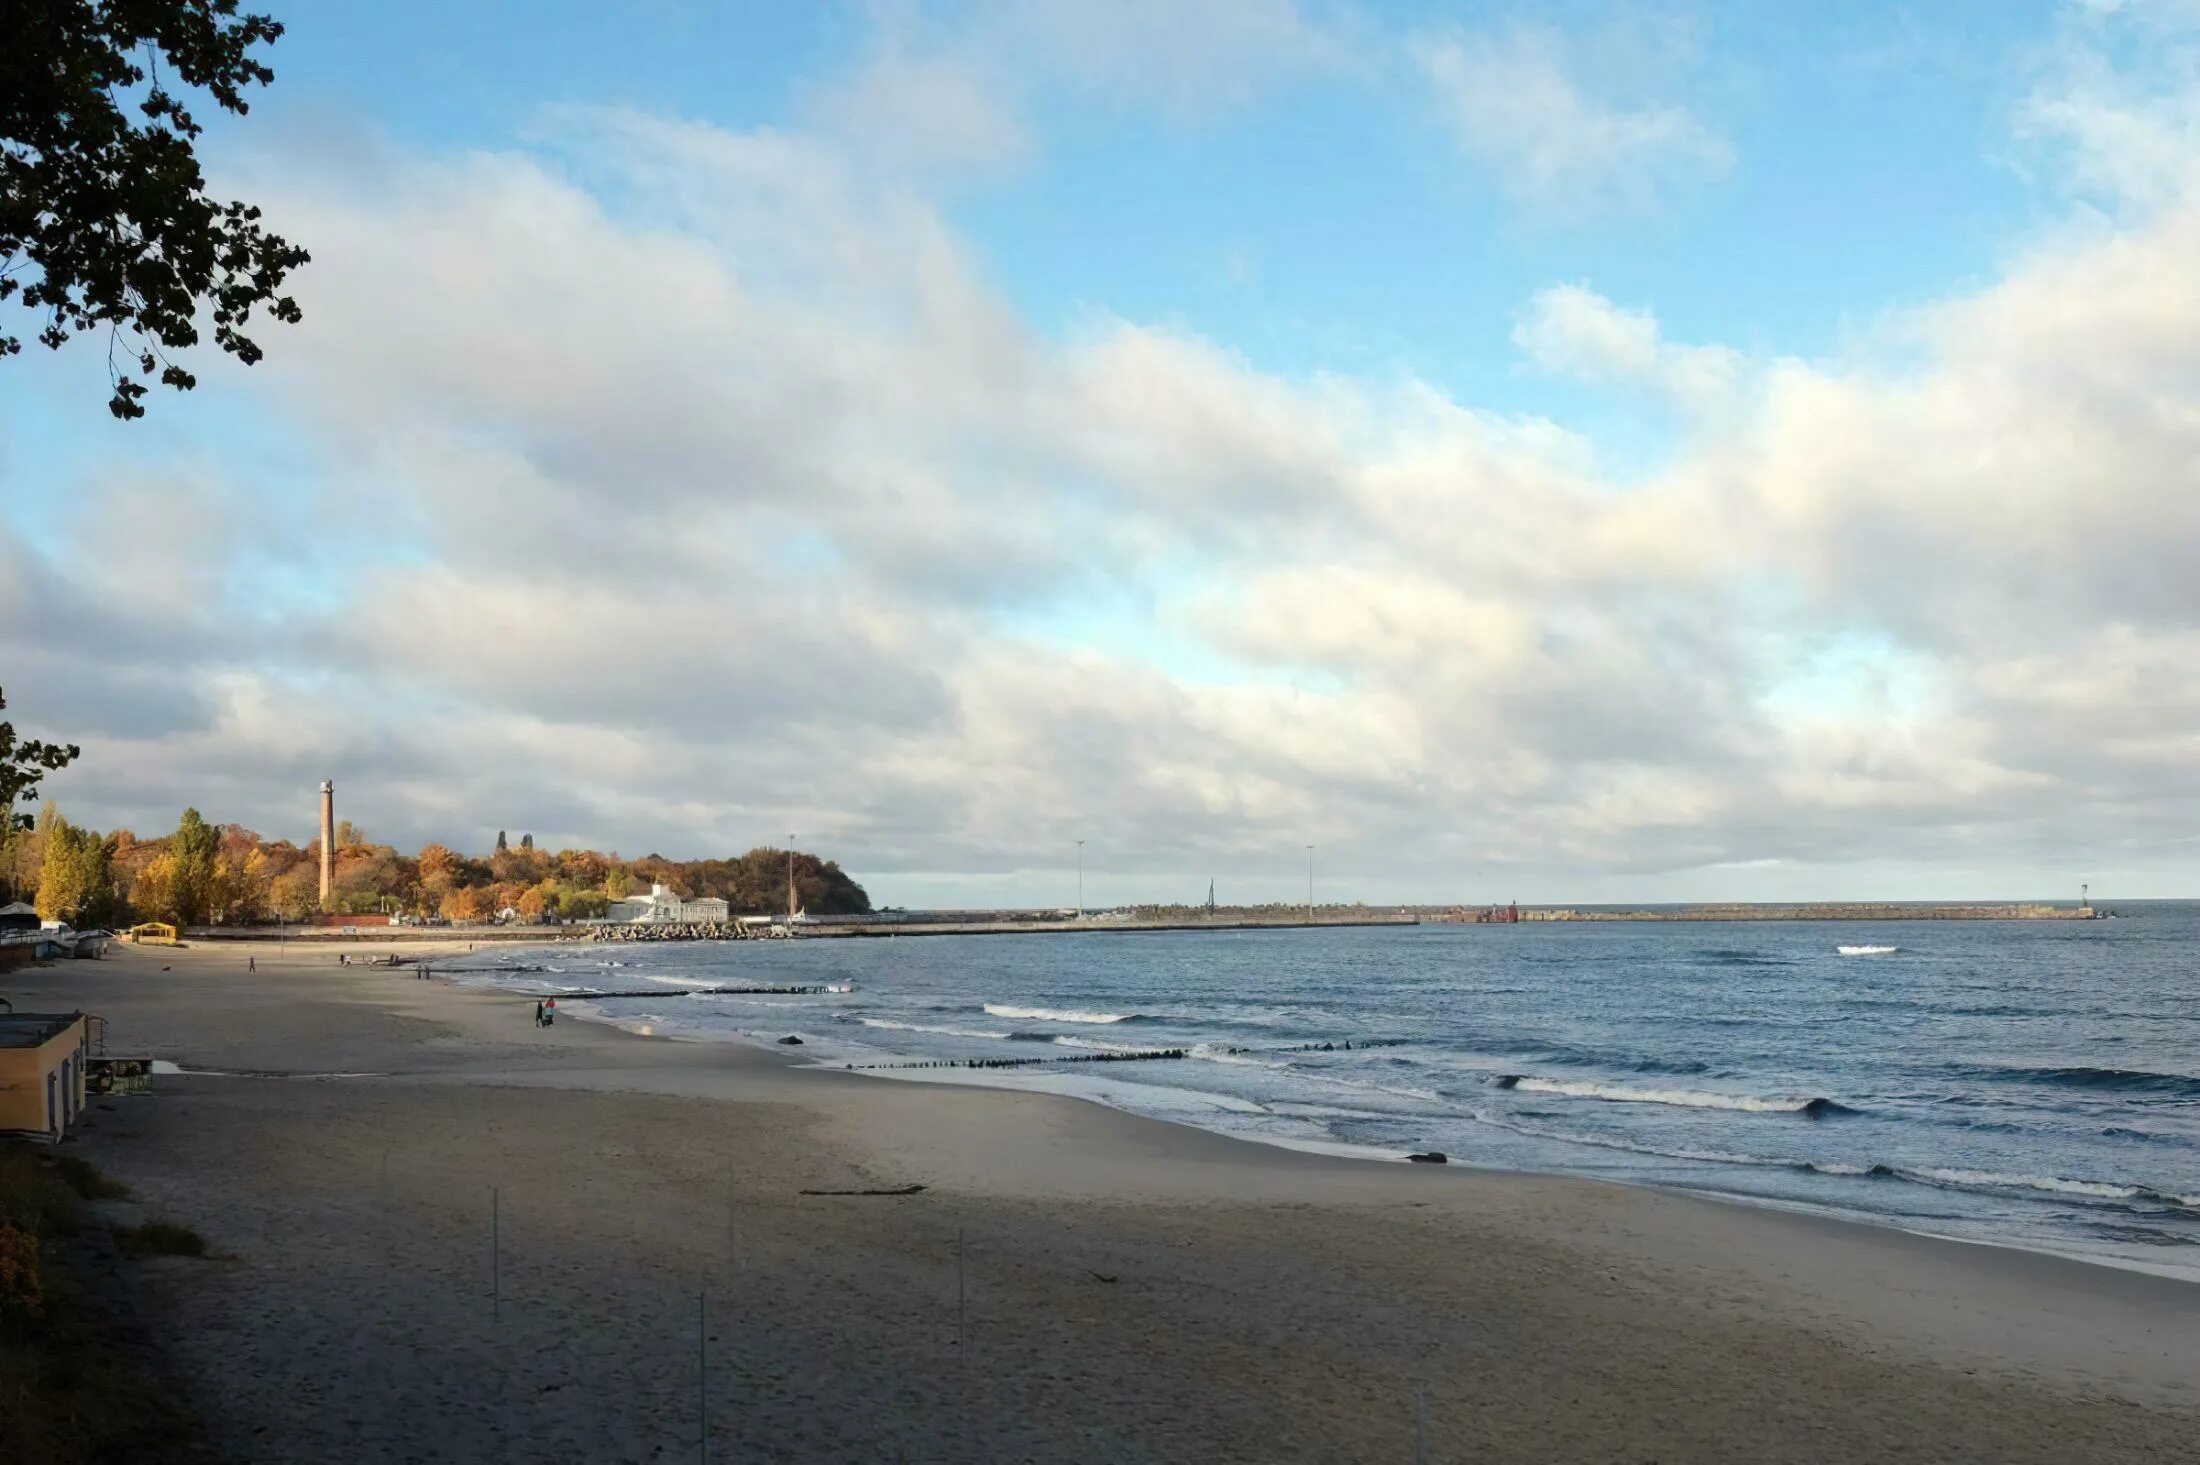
x: 83, y: 1177
x: 159, y: 1238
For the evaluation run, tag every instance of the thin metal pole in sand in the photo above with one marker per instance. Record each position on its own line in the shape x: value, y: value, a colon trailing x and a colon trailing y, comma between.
x: 1420, y: 1425
x: 496, y: 1255
x: 702, y: 1378
x: 729, y: 1219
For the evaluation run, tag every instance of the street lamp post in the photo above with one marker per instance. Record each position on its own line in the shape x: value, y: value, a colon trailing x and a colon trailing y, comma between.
x: 1310, y: 885
x: 790, y: 877
x: 1080, y: 879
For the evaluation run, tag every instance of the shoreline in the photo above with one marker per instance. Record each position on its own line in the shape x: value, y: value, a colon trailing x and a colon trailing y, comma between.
x: 1137, y: 1287
x: 1077, y: 1084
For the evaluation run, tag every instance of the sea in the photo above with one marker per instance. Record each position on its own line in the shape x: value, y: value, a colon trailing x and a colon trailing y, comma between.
x: 2026, y: 1083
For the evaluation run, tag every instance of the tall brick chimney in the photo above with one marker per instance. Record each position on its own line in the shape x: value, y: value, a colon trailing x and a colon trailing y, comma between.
x: 328, y: 839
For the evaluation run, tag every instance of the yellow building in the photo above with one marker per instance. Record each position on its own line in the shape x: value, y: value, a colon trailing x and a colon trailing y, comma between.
x: 41, y: 1072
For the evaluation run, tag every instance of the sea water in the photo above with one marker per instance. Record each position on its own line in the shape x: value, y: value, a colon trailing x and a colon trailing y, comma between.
x: 2031, y: 1083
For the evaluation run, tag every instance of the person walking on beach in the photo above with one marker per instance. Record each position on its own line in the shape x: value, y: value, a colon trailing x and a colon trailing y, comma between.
x: 538, y: 1012
x: 251, y: 963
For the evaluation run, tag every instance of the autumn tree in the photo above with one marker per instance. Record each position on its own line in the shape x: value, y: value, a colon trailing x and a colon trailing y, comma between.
x: 583, y: 868
x: 295, y: 894
x: 59, y: 883
x: 153, y: 892
x: 104, y: 219
x: 76, y: 882
x: 582, y: 905
x: 194, y: 851
x: 24, y: 764
x: 471, y: 903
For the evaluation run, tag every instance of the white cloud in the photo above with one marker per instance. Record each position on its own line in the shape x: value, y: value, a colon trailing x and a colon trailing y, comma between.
x: 962, y: 95
x: 708, y: 482
x: 1570, y: 330
x: 1513, y: 107
x: 917, y: 112
x: 2122, y: 132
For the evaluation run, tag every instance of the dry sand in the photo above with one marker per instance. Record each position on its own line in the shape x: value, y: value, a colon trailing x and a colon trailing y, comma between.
x: 1133, y: 1290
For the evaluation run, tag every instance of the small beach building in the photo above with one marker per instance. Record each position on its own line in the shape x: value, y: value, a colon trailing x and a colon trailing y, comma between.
x: 16, y: 916
x: 661, y: 905
x: 42, y: 1072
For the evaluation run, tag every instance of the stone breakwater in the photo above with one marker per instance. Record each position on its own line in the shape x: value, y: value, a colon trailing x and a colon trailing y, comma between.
x: 1862, y: 911
x: 677, y: 931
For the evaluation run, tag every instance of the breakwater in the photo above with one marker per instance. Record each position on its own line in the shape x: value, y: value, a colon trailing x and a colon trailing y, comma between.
x: 1857, y: 911
x: 681, y: 931
x: 841, y: 928
x: 1144, y: 1055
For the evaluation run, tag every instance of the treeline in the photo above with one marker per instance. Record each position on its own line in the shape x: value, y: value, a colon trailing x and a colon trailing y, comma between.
x: 225, y: 874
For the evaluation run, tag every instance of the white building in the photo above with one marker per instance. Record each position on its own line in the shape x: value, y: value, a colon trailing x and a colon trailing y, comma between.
x: 662, y: 905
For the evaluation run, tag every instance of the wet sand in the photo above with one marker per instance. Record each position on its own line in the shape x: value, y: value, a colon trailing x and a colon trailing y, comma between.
x: 1130, y: 1290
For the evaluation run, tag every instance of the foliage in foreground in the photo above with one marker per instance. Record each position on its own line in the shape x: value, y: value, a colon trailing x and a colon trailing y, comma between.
x: 104, y: 220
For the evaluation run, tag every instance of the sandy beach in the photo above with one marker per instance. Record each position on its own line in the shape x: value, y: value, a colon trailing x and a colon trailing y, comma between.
x: 485, y: 1240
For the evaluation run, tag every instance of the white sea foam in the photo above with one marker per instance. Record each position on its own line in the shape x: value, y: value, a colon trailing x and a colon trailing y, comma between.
x: 1220, y: 1053
x: 1049, y: 1014
x: 2051, y: 1184
x: 1681, y: 1098
x: 1608, y: 1142
x: 1069, y: 1042
x: 920, y: 1027
x: 1426, y: 1096
x: 1867, y: 950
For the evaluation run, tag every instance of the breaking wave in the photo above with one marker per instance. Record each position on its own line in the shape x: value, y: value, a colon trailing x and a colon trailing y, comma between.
x: 2108, y: 1190
x: 1050, y: 1014
x: 1067, y: 1041
x: 920, y: 1027
x: 1682, y: 1098
x: 1222, y: 1053
x: 1867, y: 950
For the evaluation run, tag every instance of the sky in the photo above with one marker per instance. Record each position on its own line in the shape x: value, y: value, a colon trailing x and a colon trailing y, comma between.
x: 1556, y: 452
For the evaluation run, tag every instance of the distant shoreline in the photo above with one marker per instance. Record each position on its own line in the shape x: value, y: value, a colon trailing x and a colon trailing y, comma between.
x: 844, y: 929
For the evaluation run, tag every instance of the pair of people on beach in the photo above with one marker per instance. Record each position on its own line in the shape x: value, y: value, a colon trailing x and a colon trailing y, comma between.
x: 546, y: 1013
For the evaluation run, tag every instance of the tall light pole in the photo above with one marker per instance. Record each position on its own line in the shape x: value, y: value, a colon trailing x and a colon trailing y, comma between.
x: 1080, y: 879
x: 790, y: 877
x: 1310, y: 885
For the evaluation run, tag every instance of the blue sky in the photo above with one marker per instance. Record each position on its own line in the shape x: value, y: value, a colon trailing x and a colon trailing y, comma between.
x: 1569, y: 451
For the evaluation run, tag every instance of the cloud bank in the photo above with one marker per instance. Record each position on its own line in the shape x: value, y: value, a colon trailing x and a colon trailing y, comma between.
x: 695, y: 485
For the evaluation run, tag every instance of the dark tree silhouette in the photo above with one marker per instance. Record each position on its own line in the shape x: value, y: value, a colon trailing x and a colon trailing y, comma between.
x: 22, y: 766
x: 104, y: 218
